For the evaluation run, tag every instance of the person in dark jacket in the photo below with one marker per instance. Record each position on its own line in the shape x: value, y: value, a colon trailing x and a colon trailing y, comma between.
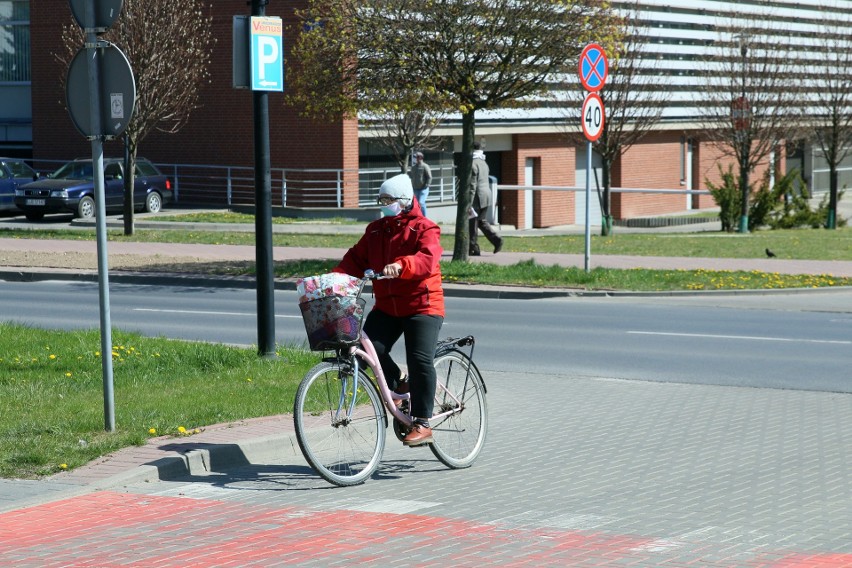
x: 421, y: 176
x: 480, y: 202
x: 405, y: 245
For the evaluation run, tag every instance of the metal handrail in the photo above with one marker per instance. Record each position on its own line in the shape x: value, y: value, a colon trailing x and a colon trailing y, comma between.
x: 319, y: 187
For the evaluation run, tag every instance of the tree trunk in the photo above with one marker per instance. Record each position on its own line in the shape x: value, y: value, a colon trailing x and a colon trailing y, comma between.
x: 744, y: 186
x: 460, y: 251
x: 129, y: 171
x: 606, y: 202
x: 831, y: 222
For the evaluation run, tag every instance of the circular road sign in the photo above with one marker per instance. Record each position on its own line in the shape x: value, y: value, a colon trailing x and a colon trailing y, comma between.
x: 593, y: 68
x: 592, y: 117
x: 117, y: 91
x: 741, y: 113
x: 105, y: 12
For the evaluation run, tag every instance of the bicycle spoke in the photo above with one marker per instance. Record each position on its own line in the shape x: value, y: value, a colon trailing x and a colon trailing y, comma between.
x: 343, y: 447
x: 459, y: 436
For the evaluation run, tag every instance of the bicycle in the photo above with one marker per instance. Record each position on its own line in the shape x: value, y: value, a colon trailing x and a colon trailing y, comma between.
x: 341, y: 413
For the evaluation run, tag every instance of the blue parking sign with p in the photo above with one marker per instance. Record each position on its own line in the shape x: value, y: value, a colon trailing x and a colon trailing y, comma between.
x: 267, y: 53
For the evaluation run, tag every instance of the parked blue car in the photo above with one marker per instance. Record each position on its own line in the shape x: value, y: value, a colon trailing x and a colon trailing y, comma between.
x: 13, y: 174
x: 71, y: 189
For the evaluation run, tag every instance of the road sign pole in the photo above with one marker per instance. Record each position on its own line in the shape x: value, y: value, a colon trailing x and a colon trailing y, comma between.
x: 263, y: 216
x: 100, y: 214
x: 593, y: 70
x: 588, y: 253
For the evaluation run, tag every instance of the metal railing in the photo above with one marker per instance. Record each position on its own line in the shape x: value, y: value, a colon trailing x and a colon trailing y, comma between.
x: 207, y: 184
x: 594, y: 191
x: 440, y: 190
x: 234, y: 185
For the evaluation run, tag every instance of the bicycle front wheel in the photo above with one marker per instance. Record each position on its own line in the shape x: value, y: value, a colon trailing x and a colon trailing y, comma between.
x: 340, y: 427
x: 460, y: 435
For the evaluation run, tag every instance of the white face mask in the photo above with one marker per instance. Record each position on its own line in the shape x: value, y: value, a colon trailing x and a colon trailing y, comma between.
x: 392, y: 210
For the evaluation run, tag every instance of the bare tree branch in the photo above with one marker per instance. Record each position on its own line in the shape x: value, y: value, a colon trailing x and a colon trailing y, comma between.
x: 830, y: 96
x: 169, y: 46
x: 401, y: 132
x: 754, y: 63
x: 385, y: 56
x: 633, y: 98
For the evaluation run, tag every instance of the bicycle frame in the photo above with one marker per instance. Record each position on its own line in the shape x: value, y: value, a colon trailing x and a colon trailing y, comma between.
x: 367, y: 352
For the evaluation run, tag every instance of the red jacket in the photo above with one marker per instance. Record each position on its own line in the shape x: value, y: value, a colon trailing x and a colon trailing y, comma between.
x: 414, y: 242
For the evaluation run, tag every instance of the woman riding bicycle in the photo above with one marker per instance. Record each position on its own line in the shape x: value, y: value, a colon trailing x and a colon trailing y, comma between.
x: 406, y: 246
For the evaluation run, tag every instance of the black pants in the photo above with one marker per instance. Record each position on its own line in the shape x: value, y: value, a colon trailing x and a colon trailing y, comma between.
x: 421, y: 336
x: 482, y: 223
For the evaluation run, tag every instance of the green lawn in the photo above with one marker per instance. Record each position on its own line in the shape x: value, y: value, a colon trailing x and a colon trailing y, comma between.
x: 814, y: 244
x: 51, y: 393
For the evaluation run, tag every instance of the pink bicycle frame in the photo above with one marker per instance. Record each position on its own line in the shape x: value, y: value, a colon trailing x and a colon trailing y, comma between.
x: 367, y: 352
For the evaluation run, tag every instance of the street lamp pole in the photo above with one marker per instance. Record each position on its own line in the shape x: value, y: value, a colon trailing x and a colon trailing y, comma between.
x: 744, y: 139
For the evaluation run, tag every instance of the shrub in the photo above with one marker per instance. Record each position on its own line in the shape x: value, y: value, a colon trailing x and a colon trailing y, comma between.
x: 727, y: 197
x: 786, y: 205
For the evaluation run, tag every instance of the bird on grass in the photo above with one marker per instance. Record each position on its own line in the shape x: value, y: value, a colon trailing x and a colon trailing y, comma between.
x: 770, y: 254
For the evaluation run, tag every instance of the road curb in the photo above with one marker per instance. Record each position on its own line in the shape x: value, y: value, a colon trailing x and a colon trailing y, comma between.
x: 206, y: 460
x: 497, y: 292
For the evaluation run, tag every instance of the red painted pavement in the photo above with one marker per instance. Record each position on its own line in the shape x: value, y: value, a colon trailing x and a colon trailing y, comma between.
x: 109, y: 529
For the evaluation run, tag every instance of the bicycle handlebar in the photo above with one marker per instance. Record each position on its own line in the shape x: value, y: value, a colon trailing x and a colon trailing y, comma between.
x: 371, y: 274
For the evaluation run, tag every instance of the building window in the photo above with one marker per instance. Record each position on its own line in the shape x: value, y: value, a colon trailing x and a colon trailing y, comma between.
x: 14, y: 41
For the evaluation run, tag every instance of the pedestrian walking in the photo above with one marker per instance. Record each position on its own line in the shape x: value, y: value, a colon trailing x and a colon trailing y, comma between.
x: 480, y: 193
x: 421, y: 176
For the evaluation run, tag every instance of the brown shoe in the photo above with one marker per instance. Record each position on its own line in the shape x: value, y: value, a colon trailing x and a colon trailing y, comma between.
x: 418, y: 436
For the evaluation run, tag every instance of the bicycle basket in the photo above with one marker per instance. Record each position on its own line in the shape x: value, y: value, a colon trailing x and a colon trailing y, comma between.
x: 332, y: 310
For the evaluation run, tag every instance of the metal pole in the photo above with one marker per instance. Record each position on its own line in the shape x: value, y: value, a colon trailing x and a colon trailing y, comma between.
x: 263, y: 216
x: 100, y: 215
x: 744, y: 150
x: 588, y: 208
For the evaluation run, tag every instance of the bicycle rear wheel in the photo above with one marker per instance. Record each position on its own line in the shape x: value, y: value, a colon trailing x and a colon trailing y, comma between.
x: 460, y: 436
x: 342, y: 441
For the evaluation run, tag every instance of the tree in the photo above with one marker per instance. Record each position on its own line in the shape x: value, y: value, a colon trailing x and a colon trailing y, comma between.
x: 633, y: 100
x: 401, y: 132
x: 830, y: 97
x: 749, y: 103
x: 380, y: 56
x: 169, y: 46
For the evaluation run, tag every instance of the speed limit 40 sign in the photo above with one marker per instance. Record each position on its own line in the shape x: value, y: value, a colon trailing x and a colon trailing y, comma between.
x: 592, y: 117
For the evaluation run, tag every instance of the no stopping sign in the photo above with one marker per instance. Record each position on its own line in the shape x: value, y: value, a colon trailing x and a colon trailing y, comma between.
x: 592, y: 117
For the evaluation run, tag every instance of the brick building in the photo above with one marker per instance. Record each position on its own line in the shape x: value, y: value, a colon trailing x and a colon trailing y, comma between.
x: 523, y: 148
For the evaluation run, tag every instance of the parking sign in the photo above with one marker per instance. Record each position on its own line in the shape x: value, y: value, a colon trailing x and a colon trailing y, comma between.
x: 267, y: 53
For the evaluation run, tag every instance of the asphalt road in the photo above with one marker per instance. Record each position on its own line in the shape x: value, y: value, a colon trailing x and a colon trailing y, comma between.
x: 788, y: 341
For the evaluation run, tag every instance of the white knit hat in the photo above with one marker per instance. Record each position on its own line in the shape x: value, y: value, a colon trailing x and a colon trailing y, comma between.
x: 399, y: 187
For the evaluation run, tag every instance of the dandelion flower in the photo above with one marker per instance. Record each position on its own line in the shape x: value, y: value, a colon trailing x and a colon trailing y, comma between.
x: 68, y: 374
x: 52, y: 356
x: 181, y: 429
x: 152, y: 431
x: 63, y: 466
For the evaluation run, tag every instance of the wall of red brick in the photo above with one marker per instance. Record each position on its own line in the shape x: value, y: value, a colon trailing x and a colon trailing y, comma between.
x: 554, y: 165
x: 652, y: 163
x: 710, y: 158
x: 219, y: 132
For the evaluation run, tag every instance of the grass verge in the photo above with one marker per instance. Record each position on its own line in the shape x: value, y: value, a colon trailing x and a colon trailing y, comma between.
x: 51, y: 393
x: 528, y: 273
x: 813, y: 244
